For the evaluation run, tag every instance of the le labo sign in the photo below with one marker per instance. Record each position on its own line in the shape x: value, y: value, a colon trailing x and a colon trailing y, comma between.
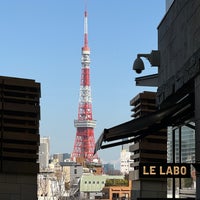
x: 164, y: 170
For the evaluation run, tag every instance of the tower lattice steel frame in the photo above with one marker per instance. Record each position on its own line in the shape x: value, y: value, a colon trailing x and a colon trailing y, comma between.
x: 84, y: 142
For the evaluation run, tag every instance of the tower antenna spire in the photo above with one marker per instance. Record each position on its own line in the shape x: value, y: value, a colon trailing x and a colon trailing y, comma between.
x: 86, y: 47
x: 85, y: 5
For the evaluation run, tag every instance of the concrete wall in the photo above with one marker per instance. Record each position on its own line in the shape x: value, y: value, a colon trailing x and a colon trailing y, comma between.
x: 178, y: 40
x: 179, y: 72
x: 18, y: 187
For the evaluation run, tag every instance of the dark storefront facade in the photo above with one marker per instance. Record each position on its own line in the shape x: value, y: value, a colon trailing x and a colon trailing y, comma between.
x: 178, y: 81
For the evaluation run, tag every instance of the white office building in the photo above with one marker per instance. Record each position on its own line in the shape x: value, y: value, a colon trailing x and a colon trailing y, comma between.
x: 125, y: 160
x: 44, y: 152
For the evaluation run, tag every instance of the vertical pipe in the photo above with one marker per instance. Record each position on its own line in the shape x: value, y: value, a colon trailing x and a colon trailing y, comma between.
x: 197, y: 133
x: 173, y: 161
x: 180, y: 152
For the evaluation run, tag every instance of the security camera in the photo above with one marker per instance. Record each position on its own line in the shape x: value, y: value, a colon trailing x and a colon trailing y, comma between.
x: 138, y: 65
x: 138, y: 71
x: 153, y: 58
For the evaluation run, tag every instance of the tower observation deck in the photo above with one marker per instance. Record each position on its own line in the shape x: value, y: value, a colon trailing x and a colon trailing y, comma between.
x: 84, y: 142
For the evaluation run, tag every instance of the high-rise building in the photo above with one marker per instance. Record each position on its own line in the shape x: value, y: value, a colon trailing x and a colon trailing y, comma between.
x: 184, y: 144
x: 19, y: 138
x: 154, y: 146
x: 108, y: 168
x: 125, y: 161
x: 148, y: 149
x: 61, y: 157
x: 84, y: 142
x: 44, y: 152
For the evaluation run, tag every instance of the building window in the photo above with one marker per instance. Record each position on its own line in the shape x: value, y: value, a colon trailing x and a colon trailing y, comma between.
x: 115, y: 195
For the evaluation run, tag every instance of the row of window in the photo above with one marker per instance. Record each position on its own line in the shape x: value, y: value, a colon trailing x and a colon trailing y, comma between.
x: 94, y: 182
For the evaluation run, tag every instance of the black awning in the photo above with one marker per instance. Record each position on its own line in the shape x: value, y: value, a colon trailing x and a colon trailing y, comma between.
x: 173, y: 115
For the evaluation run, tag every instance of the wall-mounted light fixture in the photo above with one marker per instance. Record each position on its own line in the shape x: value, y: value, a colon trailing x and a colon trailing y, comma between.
x: 153, y: 58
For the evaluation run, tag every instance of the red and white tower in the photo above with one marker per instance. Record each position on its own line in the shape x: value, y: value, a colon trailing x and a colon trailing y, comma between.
x: 84, y: 142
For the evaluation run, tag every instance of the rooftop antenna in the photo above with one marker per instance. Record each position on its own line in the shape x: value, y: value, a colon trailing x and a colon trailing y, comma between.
x: 86, y: 27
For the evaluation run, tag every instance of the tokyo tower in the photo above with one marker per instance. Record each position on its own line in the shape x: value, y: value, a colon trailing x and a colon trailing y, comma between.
x: 84, y: 142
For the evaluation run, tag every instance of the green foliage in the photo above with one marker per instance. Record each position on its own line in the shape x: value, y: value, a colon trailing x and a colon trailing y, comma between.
x: 188, y: 182
x: 185, y: 182
x: 116, y: 182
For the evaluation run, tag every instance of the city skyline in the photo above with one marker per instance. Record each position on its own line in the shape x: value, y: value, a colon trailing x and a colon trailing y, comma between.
x: 43, y: 41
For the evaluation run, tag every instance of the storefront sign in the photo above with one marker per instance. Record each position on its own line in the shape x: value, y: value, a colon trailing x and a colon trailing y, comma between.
x: 160, y: 170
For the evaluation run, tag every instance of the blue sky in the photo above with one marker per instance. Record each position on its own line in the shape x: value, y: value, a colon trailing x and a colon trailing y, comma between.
x: 42, y: 40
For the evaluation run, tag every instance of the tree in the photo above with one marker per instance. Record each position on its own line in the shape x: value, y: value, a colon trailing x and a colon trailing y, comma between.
x: 58, y: 190
x: 43, y: 185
